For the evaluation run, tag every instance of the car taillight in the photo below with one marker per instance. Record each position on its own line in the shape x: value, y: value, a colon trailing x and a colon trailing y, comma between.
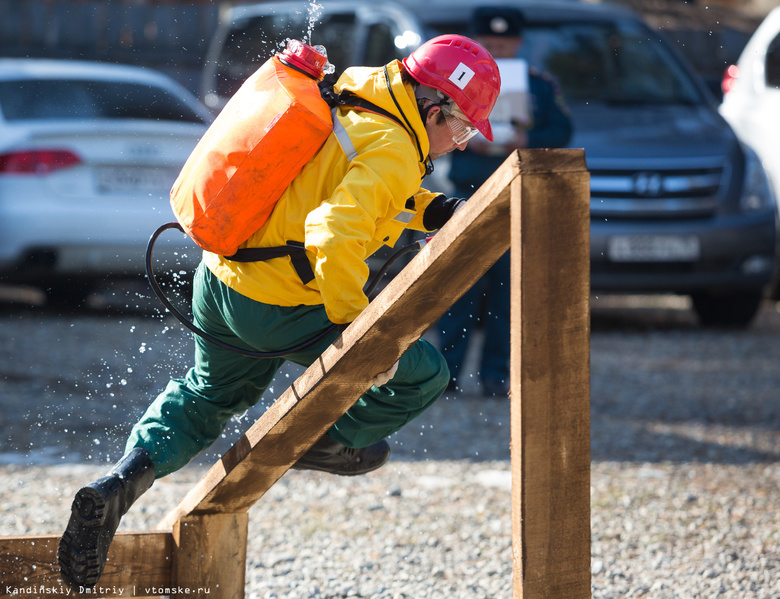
x: 729, y: 78
x: 37, y: 161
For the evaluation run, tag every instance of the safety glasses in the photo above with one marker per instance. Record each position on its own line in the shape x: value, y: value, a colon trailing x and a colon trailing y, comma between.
x: 461, y: 129
x: 461, y: 132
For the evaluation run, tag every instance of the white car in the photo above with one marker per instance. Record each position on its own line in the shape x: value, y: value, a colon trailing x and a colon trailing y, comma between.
x: 751, y: 102
x: 88, y: 155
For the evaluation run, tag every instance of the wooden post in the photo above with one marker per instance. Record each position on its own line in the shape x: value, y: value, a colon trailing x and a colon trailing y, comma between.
x: 550, y: 382
x: 209, y: 556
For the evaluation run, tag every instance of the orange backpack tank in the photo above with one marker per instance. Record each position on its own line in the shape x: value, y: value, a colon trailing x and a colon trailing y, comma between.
x: 257, y: 145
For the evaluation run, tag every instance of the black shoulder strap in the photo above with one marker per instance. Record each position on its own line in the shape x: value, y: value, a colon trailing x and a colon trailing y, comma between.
x: 349, y: 99
x: 294, y: 249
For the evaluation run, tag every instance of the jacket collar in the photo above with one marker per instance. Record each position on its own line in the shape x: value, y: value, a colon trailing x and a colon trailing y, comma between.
x: 384, y: 87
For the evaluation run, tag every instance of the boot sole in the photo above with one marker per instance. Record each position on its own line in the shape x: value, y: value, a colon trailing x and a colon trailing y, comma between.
x: 337, y: 472
x: 80, y: 563
x: 357, y: 471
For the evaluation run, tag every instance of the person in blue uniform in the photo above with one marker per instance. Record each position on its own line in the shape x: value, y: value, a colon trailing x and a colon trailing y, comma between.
x: 547, y: 125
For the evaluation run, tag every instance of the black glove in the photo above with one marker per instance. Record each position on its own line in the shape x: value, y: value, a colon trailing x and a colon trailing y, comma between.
x: 440, y: 210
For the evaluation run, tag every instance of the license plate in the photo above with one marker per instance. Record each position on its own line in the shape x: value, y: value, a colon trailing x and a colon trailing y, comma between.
x: 130, y: 180
x: 653, y: 248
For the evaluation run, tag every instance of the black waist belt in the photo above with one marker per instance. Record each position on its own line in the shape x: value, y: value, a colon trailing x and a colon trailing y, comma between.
x: 294, y: 249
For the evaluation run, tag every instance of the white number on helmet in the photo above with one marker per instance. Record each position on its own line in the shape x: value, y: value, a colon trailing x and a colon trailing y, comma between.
x: 461, y: 75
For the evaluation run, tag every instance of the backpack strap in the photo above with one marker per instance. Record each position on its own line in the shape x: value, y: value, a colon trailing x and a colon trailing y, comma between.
x: 348, y: 99
x: 294, y: 249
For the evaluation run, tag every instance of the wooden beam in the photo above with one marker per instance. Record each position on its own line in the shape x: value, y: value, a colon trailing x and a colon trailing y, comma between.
x: 456, y: 258
x: 209, y: 557
x: 137, y: 563
x: 550, y: 385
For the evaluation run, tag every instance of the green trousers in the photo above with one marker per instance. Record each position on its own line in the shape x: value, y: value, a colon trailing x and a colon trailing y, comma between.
x: 191, y: 413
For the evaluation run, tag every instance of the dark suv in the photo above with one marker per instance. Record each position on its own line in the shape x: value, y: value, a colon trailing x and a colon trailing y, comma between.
x: 678, y: 204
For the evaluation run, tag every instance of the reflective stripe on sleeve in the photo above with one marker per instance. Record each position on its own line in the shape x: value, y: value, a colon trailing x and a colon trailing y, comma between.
x: 341, y: 135
x: 405, y: 217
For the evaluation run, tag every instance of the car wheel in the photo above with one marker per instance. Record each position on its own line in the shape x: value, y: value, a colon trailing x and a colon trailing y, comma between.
x: 773, y: 289
x: 729, y: 310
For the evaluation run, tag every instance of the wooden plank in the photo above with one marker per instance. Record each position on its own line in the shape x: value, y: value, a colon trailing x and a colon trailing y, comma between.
x: 550, y: 385
x: 209, y: 557
x: 137, y: 563
x: 454, y: 260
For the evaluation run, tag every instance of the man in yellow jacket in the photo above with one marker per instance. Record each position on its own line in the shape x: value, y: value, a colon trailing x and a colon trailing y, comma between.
x: 360, y: 191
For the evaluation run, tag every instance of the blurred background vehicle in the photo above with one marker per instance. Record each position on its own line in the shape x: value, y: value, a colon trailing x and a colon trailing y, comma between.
x: 369, y: 34
x: 88, y: 154
x: 751, y: 103
x: 678, y: 204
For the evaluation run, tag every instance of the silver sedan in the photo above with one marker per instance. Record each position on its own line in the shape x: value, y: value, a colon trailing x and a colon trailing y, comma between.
x: 88, y: 154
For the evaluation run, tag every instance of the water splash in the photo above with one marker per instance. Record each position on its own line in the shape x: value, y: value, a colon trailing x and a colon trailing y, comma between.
x: 315, y: 12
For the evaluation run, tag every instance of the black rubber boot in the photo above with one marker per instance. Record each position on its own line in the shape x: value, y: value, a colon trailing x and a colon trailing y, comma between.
x: 95, y: 515
x: 327, y: 455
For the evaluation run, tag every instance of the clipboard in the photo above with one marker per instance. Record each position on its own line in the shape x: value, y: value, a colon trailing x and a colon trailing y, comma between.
x: 513, y: 105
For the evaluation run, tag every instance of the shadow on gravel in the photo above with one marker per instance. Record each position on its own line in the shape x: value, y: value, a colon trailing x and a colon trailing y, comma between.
x: 119, y: 298
x: 662, y: 389
x: 617, y: 440
x: 632, y: 314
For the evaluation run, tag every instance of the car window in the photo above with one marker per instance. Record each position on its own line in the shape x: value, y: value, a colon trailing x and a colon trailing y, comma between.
x: 248, y: 44
x: 253, y: 40
x: 601, y: 61
x: 772, y: 69
x: 81, y: 99
x: 380, y: 46
x: 338, y: 33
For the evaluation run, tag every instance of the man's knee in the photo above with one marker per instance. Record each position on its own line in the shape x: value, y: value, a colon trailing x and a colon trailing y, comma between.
x: 430, y: 369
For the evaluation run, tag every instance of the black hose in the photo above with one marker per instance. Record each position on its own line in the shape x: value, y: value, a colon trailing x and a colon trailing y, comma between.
x: 412, y: 247
x: 239, y: 350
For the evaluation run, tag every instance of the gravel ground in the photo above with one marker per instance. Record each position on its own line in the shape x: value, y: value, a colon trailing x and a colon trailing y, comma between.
x: 685, y: 470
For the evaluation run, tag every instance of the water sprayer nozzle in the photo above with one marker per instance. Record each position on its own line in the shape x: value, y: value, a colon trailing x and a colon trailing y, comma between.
x: 312, y: 60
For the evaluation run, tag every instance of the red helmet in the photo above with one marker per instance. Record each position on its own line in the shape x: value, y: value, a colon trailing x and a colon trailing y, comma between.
x: 462, y: 70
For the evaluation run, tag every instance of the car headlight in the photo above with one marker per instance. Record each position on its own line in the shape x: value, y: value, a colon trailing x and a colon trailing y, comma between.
x: 757, y: 191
